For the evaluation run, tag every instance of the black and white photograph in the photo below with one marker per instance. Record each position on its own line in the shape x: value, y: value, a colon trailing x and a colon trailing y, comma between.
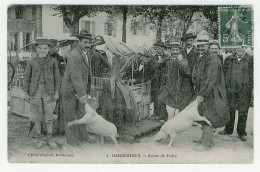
x: 130, y: 84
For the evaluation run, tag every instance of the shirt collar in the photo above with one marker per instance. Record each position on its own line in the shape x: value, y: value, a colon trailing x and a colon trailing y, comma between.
x: 189, y: 49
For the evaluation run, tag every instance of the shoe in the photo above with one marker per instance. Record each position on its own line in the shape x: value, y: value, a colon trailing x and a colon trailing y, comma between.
x: 202, y: 148
x: 243, y: 138
x: 38, y: 144
x: 224, y: 132
x: 51, y: 143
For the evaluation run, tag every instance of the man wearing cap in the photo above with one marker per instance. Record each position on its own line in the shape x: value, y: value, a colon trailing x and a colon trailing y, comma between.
x: 238, y: 70
x: 75, y: 86
x: 177, y: 93
x: 214, y: 48
x: 158, y: 80
x: 210, y: 92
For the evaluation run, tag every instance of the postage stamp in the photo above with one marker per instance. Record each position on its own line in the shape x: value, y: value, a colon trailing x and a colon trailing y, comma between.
x: 235, y: 26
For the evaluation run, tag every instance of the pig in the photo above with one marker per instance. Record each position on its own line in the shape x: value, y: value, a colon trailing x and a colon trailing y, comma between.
x: 180, y: 122
x: 96, y: 124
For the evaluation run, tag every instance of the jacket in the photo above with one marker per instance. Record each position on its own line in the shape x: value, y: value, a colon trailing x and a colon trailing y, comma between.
x: 77, y: 75
x: 32, y: 75
x: 239, y: 81
x: 209, y: 82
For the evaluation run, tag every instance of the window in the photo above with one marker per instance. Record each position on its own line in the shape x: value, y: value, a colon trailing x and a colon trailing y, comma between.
x: 109, y: 29
x: 140, y: 30
x: 90, y: 26
x: 19, y: 10
x: 34, y: 13
x: 26, y: 40
x: 13, y: 41
x: 93, y: 28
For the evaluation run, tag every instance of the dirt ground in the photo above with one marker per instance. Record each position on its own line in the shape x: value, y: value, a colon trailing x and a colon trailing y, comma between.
x: 227, y: 149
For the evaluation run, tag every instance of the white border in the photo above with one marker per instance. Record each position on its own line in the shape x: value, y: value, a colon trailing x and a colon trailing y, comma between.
x: 5, y: 166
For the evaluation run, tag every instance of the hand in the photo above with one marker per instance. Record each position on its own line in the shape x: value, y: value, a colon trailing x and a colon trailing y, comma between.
x: 83, y: 99
x: 180, y: 57
x: 200, y: 99
x: 160, y: 60
x: 56, y: 96
x: 27, y: 98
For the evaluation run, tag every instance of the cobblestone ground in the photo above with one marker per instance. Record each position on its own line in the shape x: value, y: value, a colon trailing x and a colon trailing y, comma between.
x: 227, y: 149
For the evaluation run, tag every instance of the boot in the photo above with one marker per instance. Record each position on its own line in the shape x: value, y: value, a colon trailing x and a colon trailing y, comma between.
x: 39, y: 141
x: 51, y: 143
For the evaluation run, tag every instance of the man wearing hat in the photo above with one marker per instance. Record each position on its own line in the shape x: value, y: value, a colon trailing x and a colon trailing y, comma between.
x: 59, y: 127
x: 76, y: 86
x: 210, y: 91
x: 177, y: 93
x: 190, y: 52
x: 158, y: 80
x: 238, y: 70
x: 214, y: 48
x: 41, y: 85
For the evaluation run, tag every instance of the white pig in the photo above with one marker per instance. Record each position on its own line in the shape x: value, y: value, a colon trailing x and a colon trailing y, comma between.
x: 96, y: 124
x: 180, y: 122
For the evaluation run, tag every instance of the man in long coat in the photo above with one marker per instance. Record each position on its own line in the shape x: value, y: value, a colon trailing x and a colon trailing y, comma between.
x: 76, y: 87
x: 177, y: 93
x: 238, y: 70
x: 210, y: 91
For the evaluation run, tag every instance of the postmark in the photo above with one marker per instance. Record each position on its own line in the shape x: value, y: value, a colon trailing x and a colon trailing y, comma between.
x: 235, y: 26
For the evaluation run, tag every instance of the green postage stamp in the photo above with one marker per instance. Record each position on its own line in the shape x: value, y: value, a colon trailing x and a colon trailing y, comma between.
x: 235, y: 26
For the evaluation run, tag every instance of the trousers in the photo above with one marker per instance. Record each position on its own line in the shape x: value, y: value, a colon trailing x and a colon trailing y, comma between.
x: 241, y: 124
x: 42, y: 106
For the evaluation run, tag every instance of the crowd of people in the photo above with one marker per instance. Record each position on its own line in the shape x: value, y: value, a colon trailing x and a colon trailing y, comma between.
x: 223, y: 84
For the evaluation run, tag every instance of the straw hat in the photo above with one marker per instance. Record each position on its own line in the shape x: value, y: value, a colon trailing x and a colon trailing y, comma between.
x: 42, y: 40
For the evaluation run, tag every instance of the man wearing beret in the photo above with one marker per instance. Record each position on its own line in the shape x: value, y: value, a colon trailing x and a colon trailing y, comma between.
x: 76, y: 85
x: 210, y: 92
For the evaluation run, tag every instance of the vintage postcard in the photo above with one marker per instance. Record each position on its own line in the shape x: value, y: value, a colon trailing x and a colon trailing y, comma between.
x: 138, y: 84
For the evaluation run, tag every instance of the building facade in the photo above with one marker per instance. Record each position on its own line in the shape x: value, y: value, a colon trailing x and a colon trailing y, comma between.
x: 24, y: 24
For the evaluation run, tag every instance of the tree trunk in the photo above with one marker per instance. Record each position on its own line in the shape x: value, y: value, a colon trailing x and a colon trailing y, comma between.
x: 124, y: 24
x: 74, y: 30
x: 159, y: 29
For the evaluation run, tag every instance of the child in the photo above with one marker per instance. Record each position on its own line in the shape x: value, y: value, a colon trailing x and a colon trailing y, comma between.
x: 41, y: 84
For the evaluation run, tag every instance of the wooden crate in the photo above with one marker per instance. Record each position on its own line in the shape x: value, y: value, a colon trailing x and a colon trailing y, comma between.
x: 18, y: 105
x: 142, y: 94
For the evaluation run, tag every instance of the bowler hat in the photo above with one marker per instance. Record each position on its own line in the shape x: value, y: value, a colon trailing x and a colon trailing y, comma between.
x: 42, y: 40
x: 159, y: 44
x: 202, y: 39
x: 84, y: 34
x: 175, y: 45
x: 188, y: 36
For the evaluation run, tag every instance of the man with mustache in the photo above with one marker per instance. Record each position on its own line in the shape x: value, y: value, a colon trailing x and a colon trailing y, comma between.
x: 177, y: 93
x: 76, y: 85
x: 210, y: 91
